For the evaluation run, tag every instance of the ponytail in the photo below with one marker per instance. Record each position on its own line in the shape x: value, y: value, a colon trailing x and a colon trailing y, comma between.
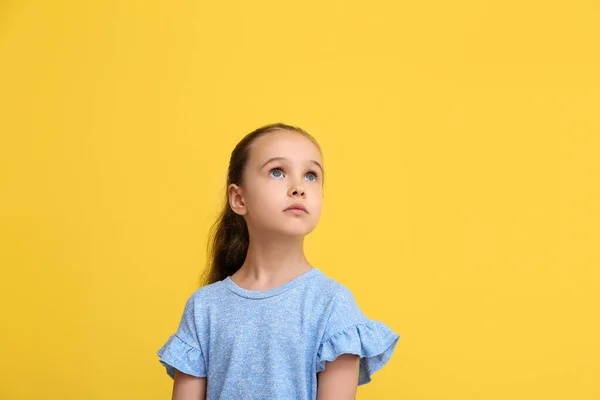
x: 228, y: 245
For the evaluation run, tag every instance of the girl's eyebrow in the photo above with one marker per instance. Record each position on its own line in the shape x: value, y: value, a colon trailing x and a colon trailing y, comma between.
x: 283, y: 158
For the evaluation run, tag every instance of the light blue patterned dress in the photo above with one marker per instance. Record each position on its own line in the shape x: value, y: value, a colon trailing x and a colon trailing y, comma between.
x: 270, y: 344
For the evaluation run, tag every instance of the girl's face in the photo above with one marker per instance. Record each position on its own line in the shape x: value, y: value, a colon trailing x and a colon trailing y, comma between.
x: 283, y: 168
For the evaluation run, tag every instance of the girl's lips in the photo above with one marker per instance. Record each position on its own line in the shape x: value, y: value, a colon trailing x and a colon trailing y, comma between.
x: 295, y: 211
x: 297, y: 207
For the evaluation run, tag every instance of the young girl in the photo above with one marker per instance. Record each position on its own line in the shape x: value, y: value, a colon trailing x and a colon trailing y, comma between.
x: 268, y: 325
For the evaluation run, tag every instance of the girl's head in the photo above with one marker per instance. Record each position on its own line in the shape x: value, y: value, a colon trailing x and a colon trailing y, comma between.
x: 270, y: 169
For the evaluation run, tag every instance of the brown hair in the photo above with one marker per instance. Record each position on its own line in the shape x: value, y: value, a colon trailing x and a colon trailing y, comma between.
x: 228, y: 239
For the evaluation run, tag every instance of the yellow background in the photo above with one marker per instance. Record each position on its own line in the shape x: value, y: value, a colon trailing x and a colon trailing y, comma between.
x: 461, y: 143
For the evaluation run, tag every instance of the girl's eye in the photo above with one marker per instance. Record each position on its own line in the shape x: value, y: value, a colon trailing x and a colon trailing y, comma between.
x: 313, y: 175
x: 278, y: 171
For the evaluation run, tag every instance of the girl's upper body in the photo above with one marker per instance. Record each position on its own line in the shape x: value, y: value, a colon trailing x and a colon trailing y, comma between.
x: 268, y: 325
x: 270, y: 344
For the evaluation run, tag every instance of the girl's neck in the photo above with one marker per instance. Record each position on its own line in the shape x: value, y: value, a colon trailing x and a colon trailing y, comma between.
x: 272, y: 261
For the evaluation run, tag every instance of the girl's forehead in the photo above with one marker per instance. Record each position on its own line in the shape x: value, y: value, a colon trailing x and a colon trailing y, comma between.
x: 286, y: 144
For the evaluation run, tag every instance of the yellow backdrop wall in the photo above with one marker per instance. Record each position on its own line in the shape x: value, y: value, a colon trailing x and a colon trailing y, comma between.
x: 461, y: 207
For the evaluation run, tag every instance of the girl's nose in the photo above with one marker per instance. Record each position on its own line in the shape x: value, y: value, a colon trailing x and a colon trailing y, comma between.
x: 296, y: 190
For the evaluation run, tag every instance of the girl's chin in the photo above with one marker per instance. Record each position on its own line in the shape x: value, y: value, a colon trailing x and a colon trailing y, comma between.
x: 291, y: 232
x: 299, y: 232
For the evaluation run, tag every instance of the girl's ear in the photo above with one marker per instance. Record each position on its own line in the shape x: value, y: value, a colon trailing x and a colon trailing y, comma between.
x: 236, y: 200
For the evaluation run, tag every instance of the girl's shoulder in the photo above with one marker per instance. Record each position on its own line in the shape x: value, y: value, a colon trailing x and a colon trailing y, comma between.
x: 332, y: 283
x: 207, y: 293
x: 332, y: 288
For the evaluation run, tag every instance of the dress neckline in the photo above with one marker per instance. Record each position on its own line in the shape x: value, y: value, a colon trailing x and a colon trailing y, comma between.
x: 261, y: 294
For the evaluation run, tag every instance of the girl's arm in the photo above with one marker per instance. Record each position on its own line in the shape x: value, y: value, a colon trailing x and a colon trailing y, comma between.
x: 188, y: 387
x: 339, y: 379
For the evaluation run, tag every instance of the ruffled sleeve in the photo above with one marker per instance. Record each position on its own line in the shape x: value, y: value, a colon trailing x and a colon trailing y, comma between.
x: 349, y: 331
x: 183, y: 350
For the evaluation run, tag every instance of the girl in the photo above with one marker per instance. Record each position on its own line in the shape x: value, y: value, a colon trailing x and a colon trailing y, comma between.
x: 268, y: 325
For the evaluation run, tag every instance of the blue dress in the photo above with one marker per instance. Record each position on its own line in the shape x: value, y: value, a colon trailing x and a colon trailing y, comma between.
x: 270, y: 344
